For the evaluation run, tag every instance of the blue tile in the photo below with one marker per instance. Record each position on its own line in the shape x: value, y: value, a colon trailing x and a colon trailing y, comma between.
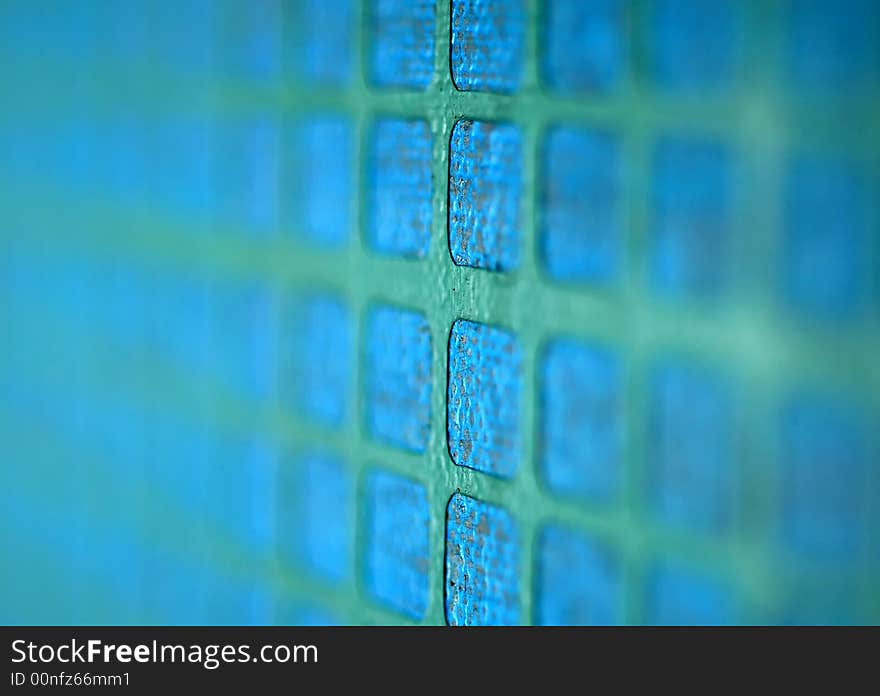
x: 244, y: 341
x: 323, y: 52
x: 823, y: 600
x: 482, y: 564
x: 485, y: 187
x: 174, y: 588
x: 125, y: 32
x: 825, y: 489
x: 182, y: 166
x: 188, y: 52
x: 241, y: 496
x: 403, y: 43
x: 679, y: 595
x: 123, y: 311
x: 179, y: 465
x: 121, y: 166
x: 396, y: 538
x: 320, y: 359
x: 236, y: 600
x: 827, y: 235
x: 833, y: 46
x: 398, y: 377
x: 251, y: 38
x: 248, y: 178
x: 254, y: 472
x: 483, y: 399
x: 316, y: 516
x: 400, y: 188
x: 119, y: 430
x: 582, y: 216
x: 119, y: 576
x: 690, y: 452
x: 694, y: 45
x: 581, y: 419
x: 585, y: 45
x: 182, y: 321
x: 487, y: 49
x: 578, y: 581
x: 691, y: 226
x: 320, y: 186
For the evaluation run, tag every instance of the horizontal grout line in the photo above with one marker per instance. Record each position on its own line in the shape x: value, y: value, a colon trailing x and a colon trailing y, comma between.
x: 760, y: 343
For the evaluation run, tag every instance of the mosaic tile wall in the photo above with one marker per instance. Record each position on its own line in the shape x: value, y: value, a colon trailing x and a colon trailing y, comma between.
x: 467, y: 312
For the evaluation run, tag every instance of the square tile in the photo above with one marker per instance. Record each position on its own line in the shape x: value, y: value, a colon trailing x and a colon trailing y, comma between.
x: 581, y: 219
x: 581, y: 417
x: 487, y: 48
x: 485, y: 191
x: 251, y: 35
x: 400, y: 187
x: 398, y: 377
x: 403, y: 43
x: 825, y: 481
x: 827, y: 230
x: 397, y: 544
x: 248, y: 178
x: 316, y: 516
x: 241, y: 495
x: 321, y: 41
x: 578, y: 581
x: 833, y: 46
x: 320, y: 357
x: 691, y: 200
x: 690, y: 473
x: 585, y: 45
x: 482, y: 564
x: 483, y: 398
x: 695, y: 46
x: 243, y: 352
x: 319, y: 180
x: 679, y: 595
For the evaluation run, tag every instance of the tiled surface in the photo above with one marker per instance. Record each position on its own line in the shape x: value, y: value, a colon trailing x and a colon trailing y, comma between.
x: 582, y: 212
x: 485, y: 195
x: 581, y: 436
x: 482, y: 564
x: 398, y: 377
x: 585, y: 45
x: 484, y: 398
x: 316, y: 513
x: 338, y: 303
x: 577, y: 580
x: 399, y: 175
x: 402, y: 43
x: 397, y: 543
x: 487, y: 45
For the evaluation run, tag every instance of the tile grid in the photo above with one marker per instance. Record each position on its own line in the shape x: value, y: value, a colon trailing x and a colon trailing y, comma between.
x: 524, y: 299
x: 524, y: 486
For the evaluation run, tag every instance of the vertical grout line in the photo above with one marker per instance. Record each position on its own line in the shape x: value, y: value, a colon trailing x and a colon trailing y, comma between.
x: 439, y: 261
x: 531, y: 341
x: 757, y: 183
x: 635, y: 165
x: 358, y: 299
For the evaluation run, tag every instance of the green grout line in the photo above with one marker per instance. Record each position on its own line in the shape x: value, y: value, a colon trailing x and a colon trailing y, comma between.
x: 729, y: 335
